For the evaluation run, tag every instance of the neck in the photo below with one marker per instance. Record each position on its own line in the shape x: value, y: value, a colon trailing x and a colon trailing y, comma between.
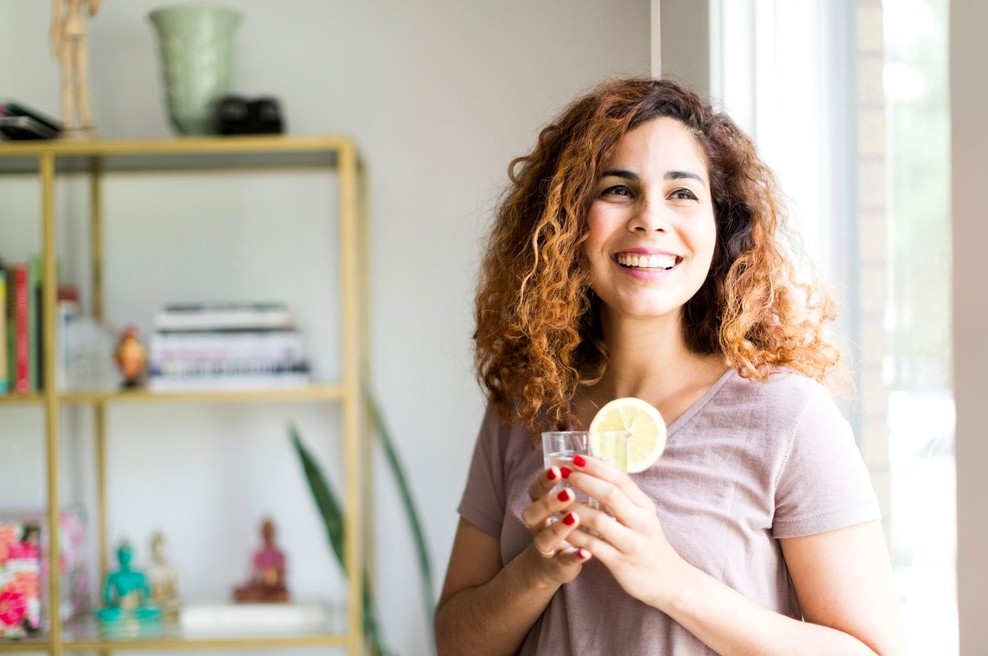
x: 649, y: 359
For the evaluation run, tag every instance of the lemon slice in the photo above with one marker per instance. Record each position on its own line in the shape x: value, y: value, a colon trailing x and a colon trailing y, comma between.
x: 643, y: 421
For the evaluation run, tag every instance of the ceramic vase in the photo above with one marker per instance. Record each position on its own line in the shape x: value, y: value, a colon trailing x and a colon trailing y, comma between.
x: 197, y: 57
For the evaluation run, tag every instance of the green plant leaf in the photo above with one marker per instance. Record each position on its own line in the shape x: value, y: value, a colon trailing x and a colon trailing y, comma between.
x: 391, y: 455
x: 332, y: 517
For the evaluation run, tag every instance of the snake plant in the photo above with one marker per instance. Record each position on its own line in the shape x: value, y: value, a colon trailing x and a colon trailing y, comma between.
x: 332, y: 517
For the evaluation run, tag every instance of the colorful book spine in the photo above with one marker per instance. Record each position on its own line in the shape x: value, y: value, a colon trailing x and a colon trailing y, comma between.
x: 4, y: 374
x: 19, y: 330
x: 35, y: 338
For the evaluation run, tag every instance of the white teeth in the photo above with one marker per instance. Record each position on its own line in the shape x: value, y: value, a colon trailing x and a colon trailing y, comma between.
x: 647, y: 261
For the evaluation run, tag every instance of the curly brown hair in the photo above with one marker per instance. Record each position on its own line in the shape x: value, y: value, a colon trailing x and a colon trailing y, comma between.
x: 538, y: 335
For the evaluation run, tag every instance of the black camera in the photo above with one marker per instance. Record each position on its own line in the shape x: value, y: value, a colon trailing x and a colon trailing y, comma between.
x: 239, y: 115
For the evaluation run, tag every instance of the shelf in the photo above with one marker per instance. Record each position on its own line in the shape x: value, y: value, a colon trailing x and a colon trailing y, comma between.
x: 257, y: 642
x: 325, y: 392
x: 21, y: 399
x: 175, y: 641
x: 82, y: 634
x: 26, y: 645
x: 319, y: 392
x: 181, y: 154
x: 336, y: 156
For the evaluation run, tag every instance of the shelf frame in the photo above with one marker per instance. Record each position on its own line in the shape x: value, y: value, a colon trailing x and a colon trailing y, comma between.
x: 48, y: 160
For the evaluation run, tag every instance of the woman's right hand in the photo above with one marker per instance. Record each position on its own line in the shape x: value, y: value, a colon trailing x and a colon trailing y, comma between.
x: 562, y: 561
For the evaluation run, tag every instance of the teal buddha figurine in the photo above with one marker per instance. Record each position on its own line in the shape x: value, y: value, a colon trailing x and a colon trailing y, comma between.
x: 127, y: 595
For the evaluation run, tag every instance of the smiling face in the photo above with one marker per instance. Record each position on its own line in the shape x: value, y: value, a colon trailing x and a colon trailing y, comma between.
x: 651, y: 229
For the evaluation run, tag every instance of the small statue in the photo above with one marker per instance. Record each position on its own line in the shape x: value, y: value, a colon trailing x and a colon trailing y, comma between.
x: 127, y: 606
x: 131, y: 358
x: 163, y: 578
x: 267, y: 581
x: 68, y: 40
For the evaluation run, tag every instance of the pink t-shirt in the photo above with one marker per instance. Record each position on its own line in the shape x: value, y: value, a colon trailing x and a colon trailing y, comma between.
x: 747, y: 464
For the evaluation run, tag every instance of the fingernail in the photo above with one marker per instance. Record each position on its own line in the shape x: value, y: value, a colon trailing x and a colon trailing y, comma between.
x: 583, y: 554
x: 551, y: 474
x: 579, y: 461
x: 565, y: 471
x: 569, y: 519
x: 564, y: 495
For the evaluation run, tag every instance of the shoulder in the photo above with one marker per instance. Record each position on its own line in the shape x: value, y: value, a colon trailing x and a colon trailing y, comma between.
x: 503, y: 441
x: 785, y: 394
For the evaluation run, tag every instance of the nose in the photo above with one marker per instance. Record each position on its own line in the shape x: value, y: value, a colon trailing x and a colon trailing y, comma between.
x: 648, y: 216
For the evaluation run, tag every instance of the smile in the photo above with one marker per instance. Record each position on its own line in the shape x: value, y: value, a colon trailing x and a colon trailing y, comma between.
x: 632, y: 261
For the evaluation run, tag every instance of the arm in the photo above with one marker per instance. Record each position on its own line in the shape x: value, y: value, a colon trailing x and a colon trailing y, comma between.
x: 484, y: 608
x: 487, y: 607
x: 842, y: 579
x: 844, y: 584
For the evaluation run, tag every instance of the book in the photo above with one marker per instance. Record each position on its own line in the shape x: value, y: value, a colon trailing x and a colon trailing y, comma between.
x: 19, y: 334
x: 24, y: 581
x: 270, y: 345
x: 20, y: 579
x: 3, y: 331
x: 224, y: 382
x: 199, y: 618
x: 34, y: 325
x: 68, y: 312
x: 225, y: 368
x: 222, y: 316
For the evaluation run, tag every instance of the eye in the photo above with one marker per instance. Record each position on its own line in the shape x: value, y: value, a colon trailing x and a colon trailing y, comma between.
x: 616, y: 190
x: 683, y: 194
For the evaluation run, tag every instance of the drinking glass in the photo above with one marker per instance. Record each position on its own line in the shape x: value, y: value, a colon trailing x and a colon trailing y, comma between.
x: 560, y: 447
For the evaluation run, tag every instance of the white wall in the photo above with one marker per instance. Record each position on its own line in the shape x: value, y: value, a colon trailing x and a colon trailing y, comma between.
x: 969, y: 143
x: 440, y: 95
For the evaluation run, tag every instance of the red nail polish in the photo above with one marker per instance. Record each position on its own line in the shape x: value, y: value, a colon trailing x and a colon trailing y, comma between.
x: 569, y: 519
x: 579, y: 461
x: 583, y: 554
x: 565, y: 471
x: 551, y: 475
x: 563, y: 495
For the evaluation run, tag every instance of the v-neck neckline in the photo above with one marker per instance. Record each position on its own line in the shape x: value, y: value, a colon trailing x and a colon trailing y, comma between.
x: 701, y: 402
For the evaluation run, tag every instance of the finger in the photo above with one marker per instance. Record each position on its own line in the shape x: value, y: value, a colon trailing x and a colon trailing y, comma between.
x: 544, y: 482
x: 536, y: 514
x: 605, y: 527
x: 595, y: 545
x: 573, y: 556
x: 609, y: 496
x: 554, y: 537
x: 602, y: 470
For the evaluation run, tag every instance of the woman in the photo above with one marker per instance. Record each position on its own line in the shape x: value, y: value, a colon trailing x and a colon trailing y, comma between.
x: 641, y: 251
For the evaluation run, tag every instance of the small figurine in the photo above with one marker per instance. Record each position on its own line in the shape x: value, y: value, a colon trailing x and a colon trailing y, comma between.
x: 131, y: 358
x: 68, y: 40
x: 163, y: 578
x: 127, y: 606
x: 267, y: 581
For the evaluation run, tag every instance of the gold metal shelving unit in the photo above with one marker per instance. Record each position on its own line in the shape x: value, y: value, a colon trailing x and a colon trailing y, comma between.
x: 95, y: 158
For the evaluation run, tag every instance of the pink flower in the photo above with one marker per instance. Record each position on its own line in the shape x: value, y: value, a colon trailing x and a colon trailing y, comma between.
x: 27, y: 584
x: 8, y: 537
x: 13, y: 608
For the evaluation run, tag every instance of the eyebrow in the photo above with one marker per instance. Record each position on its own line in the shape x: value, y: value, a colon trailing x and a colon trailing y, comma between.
x: 669, y: 175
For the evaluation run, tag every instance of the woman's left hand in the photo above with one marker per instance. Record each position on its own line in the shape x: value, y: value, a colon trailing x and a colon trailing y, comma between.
x: 628, y: 538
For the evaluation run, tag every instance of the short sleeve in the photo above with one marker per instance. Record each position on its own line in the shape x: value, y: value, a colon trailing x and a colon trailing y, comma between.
x: 483, y: 502
x: 823, y: 484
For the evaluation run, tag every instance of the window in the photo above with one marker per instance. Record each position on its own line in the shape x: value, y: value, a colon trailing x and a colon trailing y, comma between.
x: 921, y: 407
x: 848, y: 103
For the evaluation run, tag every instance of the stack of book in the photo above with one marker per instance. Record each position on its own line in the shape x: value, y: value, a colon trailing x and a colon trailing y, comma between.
x: 21, y: 355
x: 222, y: 346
